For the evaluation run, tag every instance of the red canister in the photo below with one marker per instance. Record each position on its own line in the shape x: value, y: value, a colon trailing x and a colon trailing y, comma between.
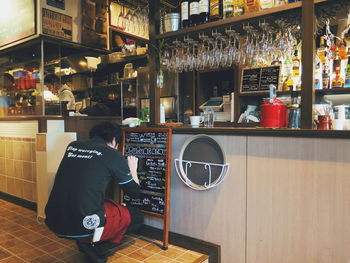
x: 273, y: 115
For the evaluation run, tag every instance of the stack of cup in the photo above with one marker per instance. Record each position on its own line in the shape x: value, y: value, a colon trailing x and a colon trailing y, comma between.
x: 341, y: 123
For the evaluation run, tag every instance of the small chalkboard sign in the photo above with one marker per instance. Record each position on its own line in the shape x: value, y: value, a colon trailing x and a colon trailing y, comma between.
x: 152, y: 146
x: 251, y: 79
x: 269, y: 75
x: 259, y: 79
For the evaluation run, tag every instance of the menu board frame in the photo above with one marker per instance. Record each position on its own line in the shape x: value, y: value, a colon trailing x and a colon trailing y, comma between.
x: 53, y: 24
x: 34, y: 28
x: 167, y: 172
x: 259, y: 85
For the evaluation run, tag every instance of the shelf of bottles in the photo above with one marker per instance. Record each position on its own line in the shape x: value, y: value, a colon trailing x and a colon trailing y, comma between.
x: 266, y: 40
x: 332, y: 60
x: 206, y: 14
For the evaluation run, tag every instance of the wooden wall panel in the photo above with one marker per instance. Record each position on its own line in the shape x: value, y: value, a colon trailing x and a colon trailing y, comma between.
x: 216, y: 215
x: 298, y: 200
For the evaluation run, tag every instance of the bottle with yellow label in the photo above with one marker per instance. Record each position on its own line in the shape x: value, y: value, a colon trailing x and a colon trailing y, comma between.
x: 215, y: 9
x: 238, y: 7
x: 321, y: 52
x: 264, y: 4
x: 252, y: 6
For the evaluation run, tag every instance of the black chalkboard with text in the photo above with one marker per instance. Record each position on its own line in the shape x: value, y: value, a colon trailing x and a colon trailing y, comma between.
x: 259, y: 79
x: 153, y: 149
x: 152, y: 146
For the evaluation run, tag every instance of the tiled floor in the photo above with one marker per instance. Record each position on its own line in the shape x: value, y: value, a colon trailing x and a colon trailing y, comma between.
x: 24, y: 240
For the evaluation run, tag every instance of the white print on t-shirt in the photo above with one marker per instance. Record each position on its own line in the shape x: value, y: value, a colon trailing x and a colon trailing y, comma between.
x: 82, y: 153
x: 91, y: 222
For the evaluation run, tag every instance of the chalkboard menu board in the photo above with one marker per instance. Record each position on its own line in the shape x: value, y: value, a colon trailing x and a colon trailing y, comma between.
x: 259, y: 79
x: 17, y: 20
x: 153, y: 149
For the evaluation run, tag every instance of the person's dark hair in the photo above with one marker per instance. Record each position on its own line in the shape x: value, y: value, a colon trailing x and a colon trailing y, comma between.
x: 107, y: 131
x: 51, y: 79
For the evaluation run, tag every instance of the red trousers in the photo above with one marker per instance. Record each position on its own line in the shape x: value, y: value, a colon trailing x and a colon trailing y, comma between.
x: 117, y: 222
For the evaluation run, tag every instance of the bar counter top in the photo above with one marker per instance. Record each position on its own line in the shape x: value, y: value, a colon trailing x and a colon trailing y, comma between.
x: 258, y: 131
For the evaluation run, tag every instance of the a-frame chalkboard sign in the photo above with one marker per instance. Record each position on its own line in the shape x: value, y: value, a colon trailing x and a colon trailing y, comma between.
x: 152, y: 146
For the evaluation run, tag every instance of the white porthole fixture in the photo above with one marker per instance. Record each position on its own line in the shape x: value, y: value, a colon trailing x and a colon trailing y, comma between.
x: 201, y: 157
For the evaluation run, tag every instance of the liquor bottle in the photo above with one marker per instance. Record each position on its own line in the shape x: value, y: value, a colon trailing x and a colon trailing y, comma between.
x: 325, y: 77
x: 296, y: 65
x: 227, y: 8
x: 288, y: 84
x: 252, y: 6
x: 264, y: 4
x: 347, y: 73
x: 342, y: 49
x: 321, y: 52
x: 215, y: 10
x: 204, y: 11
x: 185, y: 20
x: 194, y: 12
x: 337, y: 81
x: 238, y: 7
x: 280, y: 2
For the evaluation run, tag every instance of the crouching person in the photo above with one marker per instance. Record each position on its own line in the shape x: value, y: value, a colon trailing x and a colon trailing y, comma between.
x: 77, y: 207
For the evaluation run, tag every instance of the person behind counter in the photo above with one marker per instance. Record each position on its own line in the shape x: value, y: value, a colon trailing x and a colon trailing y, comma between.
x: 64, y: 92
x: 77, y: 207
x: 7, y: 83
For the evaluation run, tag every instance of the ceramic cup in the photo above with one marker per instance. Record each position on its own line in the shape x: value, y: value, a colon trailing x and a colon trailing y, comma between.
x: 346, y: 124
x: 196, y: 121
x: 338, y: 124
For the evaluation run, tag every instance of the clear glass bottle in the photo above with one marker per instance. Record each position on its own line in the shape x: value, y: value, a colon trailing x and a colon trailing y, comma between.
x: 227, y: 6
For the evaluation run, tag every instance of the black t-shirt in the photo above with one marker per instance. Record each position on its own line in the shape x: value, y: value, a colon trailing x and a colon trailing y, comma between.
x: 75, y: 207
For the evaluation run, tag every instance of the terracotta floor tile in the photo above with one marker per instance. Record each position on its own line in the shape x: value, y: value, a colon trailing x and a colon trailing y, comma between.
x: 50, y: 247
x: 30, y: 254
x: 157, y: 258
x: 4, y: 254
x: 20, y: 247
x: 12, y: 259
x: 63, y: 253
x: 127, y: 249
x: 124, y: 259
x: 141, y: 254
x: 187, y: 257
x: 172, y: 252
x: 153, y: 247
x: 44, y: 259
x: 25, y: 240
x: 76, y: 258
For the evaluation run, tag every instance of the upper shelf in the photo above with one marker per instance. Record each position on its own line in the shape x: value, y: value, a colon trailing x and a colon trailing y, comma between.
x: 231, y: 20
x: 126, y: 34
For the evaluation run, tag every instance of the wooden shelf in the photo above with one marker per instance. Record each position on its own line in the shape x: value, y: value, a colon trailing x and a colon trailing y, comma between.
x: 262, y: 93
x: 332, y: 91
x: 231, y: 20
x: 126, y: 34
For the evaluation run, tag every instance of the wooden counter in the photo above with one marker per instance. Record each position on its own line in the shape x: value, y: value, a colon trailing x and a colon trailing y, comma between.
x: 258, y: 131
